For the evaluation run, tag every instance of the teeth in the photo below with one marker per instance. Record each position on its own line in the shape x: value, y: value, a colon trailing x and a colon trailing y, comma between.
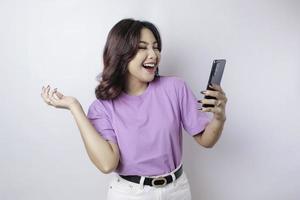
x: 149, y: 65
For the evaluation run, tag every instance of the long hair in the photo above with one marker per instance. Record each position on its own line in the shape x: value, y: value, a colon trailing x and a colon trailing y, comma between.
x: 120, y: 48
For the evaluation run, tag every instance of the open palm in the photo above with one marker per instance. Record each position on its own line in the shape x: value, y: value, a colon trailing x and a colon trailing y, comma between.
x: 57, y: 99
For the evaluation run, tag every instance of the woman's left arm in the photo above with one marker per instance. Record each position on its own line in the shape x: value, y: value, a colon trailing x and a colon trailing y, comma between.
x: 212, y: 132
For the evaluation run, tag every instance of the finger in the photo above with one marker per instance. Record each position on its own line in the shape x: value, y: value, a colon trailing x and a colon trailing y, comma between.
x: 44, y: 95
x: 217, y: 88
x: 219, y: 103
x: 48, y: 94
x: 54, y: 99
x: 44, y: 90
x: 214, y: 110
x: 217, y: 94
x: 213, y: 102
x: 207, y: 109
x: 54, y: 96
x: 220, y: 89
x: 210, y: 93
x: 51, y: 93
x: 47, y: 91
x: 60, y: 95
x: 208, y: 101
x: 225, y: 99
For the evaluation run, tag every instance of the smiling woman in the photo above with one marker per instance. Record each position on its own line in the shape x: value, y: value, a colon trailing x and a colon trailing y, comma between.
x: 134, y: 126
x: 130, y: 45
x: 130, y: 83
x: 142, y: 67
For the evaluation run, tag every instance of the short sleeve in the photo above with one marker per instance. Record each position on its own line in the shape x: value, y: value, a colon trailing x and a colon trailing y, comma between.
x: 193, y: 120
x: 101, y: 121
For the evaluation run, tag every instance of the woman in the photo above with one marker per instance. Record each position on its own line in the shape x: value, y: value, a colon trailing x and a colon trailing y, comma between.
x: 133, y: 128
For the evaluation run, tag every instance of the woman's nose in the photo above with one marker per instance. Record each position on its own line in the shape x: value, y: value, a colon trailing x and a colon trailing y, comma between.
x: 151, y: 53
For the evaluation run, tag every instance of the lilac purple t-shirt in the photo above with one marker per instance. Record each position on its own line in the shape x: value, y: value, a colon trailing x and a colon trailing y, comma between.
x: 148, y: 127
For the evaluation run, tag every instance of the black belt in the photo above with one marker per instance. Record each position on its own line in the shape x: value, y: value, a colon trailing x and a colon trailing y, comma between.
x: 157, y: 182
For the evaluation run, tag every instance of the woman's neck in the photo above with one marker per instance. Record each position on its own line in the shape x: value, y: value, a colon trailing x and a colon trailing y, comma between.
x: 135, y: 87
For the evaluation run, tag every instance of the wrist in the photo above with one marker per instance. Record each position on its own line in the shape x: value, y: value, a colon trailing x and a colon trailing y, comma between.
x: 74, y: 105
x: 220, y: 119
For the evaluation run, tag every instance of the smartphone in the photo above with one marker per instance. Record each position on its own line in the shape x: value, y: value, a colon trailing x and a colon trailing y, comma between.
x: 215, y: 77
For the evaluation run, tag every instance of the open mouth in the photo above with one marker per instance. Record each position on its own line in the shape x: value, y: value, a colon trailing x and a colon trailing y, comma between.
x: 150, y: 67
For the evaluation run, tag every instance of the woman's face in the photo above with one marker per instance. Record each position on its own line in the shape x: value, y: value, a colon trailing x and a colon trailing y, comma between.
x: 144, y: 64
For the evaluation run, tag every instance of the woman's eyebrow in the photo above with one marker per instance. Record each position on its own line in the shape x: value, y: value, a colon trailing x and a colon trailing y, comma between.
x: 147, y: 42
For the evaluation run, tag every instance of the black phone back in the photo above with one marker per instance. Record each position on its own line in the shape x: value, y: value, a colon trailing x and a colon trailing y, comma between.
x: 215, y: 77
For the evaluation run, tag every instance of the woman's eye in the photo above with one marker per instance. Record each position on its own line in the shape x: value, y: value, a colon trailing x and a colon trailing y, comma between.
x: 155, y: 48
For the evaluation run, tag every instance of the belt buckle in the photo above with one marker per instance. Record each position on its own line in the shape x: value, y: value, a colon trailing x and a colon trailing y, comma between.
x: 159, y: 179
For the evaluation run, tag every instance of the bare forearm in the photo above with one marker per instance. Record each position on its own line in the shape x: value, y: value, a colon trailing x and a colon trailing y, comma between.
x: 212, y: 133
x: 214, y: 129
x: 98, y: 149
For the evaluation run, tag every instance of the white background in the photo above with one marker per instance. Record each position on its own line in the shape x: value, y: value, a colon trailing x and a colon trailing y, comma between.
x: 60, y: 43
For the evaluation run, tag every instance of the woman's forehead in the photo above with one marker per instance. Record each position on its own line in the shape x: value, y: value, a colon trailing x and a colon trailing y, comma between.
x: 147, y: 36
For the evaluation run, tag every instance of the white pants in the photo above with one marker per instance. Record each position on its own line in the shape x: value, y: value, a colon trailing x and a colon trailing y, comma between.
x: 121, y: 189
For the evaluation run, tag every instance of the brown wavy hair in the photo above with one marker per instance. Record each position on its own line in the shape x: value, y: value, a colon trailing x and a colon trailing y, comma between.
x: 120, y: 48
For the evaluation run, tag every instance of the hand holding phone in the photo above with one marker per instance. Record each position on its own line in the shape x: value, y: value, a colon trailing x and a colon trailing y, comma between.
x: 215, y: 77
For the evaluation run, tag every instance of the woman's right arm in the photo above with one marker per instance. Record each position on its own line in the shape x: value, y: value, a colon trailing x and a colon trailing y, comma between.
x: 105, y: 155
